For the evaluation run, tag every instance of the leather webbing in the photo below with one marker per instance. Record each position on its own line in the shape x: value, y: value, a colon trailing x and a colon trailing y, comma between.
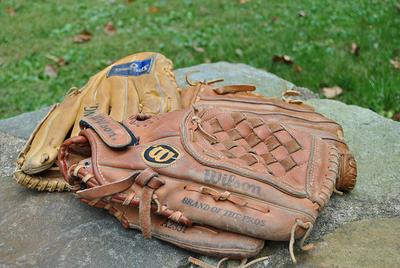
x: 107, y: 189
x: 288, y: 163
x: 292, y: 146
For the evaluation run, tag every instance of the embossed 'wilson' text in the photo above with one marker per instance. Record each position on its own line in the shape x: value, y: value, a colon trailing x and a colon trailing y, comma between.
x: 229, y: 181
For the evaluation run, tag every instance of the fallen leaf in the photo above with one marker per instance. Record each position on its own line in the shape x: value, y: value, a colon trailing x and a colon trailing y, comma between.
x: 109, y: 28
x: 82, y: 37
x: 301, y: 13
x: 198, y: 49
x: 239, y: 52
x: 282, y: 58
x: 243, y: 1
x: 275, y: 18
x: 153, y: 10
x: 297, y: 68
x: 395, y: 63
x: 355, y: 49
x: 332, y: 92
x: 50, y: 71
x: 396, y: 117
x: 60, y: 61
x: 10, y: 11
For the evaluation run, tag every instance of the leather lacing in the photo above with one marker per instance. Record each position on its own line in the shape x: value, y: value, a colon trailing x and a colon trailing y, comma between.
x: 204, y: 82
x: 148, y: 201
x: 40, y: 183
x: 305, y: 225
x: 226, y: 196
x: 196, y: 120
x: 244, y: 264
x: 287, y: 94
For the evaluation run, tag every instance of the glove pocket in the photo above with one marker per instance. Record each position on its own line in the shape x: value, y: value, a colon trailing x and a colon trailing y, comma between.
x: 231, y: 212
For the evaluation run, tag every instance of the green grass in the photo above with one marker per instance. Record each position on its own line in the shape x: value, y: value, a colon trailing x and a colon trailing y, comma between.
x: 319, y: 42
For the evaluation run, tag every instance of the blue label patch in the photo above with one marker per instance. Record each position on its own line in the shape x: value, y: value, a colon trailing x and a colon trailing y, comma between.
x: 134, y: 68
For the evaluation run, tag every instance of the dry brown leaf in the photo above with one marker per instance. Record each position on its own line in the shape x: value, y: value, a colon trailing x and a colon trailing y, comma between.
x: 301, y: 13
x: 282, y: 58
x: 60, y: 61
x: 396, y: 117
x: 395, y: 63
x: 275, y: 18
x: 355, y: 49
x: 198, y: 49
x: 153, y: 10
x: 332, y: 92
x: 243, y: 1
x: 297, y: 68
x: 109, y: 28
x: 239, y: 52
x: 82, y: 37
x: 10, y: 11
x: 50, y: 71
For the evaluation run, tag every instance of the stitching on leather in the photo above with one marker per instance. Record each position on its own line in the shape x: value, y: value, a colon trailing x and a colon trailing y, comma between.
x: 310, y: 170
x: 330, y: 178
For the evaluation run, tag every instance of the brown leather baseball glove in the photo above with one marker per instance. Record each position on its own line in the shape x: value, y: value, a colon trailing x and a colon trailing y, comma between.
x: 246, y: 167
x: 139, y: 83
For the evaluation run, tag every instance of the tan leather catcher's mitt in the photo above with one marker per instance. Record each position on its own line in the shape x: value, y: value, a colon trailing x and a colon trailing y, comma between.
x: 139, y: 83
x: 217, y: 178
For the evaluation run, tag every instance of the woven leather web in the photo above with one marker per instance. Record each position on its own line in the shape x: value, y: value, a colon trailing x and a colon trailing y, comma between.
x: 258, y: 144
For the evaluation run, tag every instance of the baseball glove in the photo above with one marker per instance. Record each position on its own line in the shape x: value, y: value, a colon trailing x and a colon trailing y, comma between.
x: 139, y: 83
x: 253, y: 167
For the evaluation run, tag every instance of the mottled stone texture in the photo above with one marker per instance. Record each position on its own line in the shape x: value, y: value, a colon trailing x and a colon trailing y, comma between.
x: 55, y: 229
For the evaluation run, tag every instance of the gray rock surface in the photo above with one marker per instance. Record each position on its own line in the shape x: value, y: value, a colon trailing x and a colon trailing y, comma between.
x: 22, y: 126
x: 49, y: 229
x: 368, y: 243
